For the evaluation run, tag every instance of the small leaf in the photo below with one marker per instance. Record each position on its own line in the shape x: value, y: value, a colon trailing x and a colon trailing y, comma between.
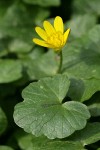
x: 94, y: 109
x: 43, y: 110
x: 43, y: 2
x: 2, y: 147
x: 82, y: 90
x: 10, y: 70
x: 3, y: 122
x: 90, y: 134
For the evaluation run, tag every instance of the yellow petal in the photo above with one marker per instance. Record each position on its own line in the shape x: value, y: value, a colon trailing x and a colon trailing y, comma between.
x: 41, y: 33
x: 40, y: 42
x: 58, y: 24
x: 66, y: 34
x: 48, y: 28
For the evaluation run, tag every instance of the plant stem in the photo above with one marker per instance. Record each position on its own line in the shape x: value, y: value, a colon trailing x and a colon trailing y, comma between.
x: 60, y: 63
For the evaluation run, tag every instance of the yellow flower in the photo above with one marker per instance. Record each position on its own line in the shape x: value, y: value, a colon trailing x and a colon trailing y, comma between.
x: 53, y: 37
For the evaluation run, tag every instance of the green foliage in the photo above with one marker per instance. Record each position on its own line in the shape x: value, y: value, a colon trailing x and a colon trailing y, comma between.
x: 43, y: 112
x: 80, y: 24
x: 85, y: 6
x: 5, y: 148
x: 10, y: 70
x: 56, y: 111
x: 30, y: 142
x: 43, y: 2
x: 90, y: 134
x: 3, y: 121
x: 42, y: 66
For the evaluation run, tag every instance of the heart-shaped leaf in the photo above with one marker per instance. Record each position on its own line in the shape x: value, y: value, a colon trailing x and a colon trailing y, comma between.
x: 43, y: 110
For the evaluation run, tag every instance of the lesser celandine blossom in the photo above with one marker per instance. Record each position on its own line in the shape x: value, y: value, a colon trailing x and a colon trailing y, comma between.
x: 53, y: 36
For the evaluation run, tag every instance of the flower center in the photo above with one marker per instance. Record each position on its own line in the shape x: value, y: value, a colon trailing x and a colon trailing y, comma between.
x: 56, y: 40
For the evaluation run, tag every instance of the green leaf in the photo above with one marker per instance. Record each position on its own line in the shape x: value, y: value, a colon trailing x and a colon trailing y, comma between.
x: 94, y: 109
x: 94, y: 35
x: 62, y: 146
x: 10, y: 70
x: 90, y: 134
x: 2, y: 147
x: 3, y: 49
x: 30, y: 142
x: 46, y: 65
x: 19, y: 20
x: 36, y: 52
x: 44, y: 2
x: 82, y: 90
x: 87, y: 21
x: 43, y: 110
x: 19, y: 46
x: 3, y: 122
x: 81, y: 58
x: 80, y: 6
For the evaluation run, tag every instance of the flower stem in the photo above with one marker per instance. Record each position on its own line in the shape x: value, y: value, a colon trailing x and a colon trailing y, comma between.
x: 60, y: 63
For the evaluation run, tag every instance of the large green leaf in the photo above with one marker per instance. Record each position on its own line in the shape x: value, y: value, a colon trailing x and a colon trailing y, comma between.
x: 3, y: 121
x: 10, y: 70
x: 43, y: 110
x: 19, y: 20
x: 43, y: 2
x: 81, y: 24
x: 30, y: 142
x: 90, y: 134
x: 81, y: 58
x: 43, y: 66
x: 80, y: 6
x: 19, y: 46
x: 3, y: 147
x: 60, y: 145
